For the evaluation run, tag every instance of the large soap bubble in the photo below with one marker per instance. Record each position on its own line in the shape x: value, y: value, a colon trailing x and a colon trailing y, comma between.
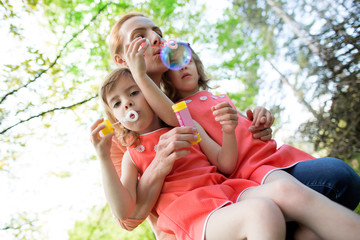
x: 175, y: 55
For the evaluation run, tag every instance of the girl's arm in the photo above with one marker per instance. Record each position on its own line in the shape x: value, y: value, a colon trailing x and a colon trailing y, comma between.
x: 121, y: 198
x: 158, y: 101
x: 223, y: 157
x: 121, y: 195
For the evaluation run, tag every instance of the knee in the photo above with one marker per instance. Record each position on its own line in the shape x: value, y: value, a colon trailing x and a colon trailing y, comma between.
x: 290, y: 193
x: 265, y: 211
x: 346, y: 183
x: 267, y: 217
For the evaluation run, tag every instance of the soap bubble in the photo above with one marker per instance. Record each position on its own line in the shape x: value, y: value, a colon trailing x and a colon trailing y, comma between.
x: 175, y: 55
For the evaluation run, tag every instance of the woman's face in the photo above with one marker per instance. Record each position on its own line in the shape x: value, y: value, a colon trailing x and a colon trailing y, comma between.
x: 143, y: 27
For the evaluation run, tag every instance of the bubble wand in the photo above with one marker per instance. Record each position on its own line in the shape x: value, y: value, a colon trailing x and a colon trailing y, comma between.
x: 131, y: 116
x: 174, y: 55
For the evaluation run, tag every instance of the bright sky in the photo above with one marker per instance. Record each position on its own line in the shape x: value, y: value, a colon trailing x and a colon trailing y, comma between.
x: 32, y: 186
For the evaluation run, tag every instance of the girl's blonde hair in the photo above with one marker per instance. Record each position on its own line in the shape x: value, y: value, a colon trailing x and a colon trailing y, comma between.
x: 169, y: 89
x: 115, y: 39
x: 125, y: 136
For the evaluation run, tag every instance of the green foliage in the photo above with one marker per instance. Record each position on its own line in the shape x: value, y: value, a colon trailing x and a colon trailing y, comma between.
x: 102, y: 225
x: 67, y: 72
x: 321, y: 41
x: 24, y: 226
x: 243, y: 100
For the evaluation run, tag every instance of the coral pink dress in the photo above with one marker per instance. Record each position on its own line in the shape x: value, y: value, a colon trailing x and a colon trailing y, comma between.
x: 256, y: 158
x: 191, y: 191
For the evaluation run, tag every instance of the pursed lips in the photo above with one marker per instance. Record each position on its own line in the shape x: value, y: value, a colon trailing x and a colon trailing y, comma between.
x: 157, y: 52
x: 185, y: 75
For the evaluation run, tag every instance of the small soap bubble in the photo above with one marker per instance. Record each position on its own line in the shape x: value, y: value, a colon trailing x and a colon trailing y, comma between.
x: 175, y: 55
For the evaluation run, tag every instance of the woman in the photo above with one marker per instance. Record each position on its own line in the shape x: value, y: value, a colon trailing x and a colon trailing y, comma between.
x: 331, y: 177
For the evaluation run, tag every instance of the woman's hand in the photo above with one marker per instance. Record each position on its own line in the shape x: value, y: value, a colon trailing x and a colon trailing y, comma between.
x: 226, y: 115
x: 262, y: 121
x: 172, y: 146
x: 102, y: 144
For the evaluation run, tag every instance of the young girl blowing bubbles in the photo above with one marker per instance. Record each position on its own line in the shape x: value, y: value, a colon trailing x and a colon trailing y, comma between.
x: 196, y: 202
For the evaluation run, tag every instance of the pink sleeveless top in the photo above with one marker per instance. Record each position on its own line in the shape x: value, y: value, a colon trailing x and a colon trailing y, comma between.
x: 256, y: 158
x: 191, y: 191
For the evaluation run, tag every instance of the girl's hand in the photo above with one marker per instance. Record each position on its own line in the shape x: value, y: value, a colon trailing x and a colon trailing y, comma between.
x: 226, y: 115
x: 262, y: 121
x: 134, y: 55
x: 172, y: 146
x: 102, y: 144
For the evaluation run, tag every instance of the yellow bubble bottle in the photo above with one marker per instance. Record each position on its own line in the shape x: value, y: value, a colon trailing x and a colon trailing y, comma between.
x: 108, y: 127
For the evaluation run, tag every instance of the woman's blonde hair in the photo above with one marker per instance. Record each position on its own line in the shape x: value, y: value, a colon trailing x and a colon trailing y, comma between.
x: 169, y: 89
x: 125, y: 136
x: 115, y: 39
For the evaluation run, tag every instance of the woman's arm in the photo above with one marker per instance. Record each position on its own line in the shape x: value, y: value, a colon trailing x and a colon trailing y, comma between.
x: 158, y: 101
x: 170, y: 148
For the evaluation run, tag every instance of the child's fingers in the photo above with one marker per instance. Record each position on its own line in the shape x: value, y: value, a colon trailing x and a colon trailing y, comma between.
x: 259, y: 114
x: 223, y: 110
x: 133, y: 44
x: 250, y: 115
x: 226, y: 117
x: 228, y: 122
x: 95, y: 136
x: 128, y: 48
x: 108, y: 137
x: 143, y: 46
x: 96, y: 123
x: 222, y: 105
x: 135, y: 48
x: 269, y: 120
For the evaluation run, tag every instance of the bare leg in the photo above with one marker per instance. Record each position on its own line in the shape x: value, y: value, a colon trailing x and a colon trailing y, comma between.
x: 256, y: 218
x: 302, y: 232
x: 299, y: 203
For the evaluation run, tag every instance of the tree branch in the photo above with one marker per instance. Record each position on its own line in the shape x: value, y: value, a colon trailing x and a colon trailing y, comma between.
x: 299, y: 32
x: 74, y: 36
x: 297, y: 93
x: 48, y: 111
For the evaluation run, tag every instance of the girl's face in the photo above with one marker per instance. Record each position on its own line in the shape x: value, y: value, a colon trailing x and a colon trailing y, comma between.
x: 143, y: 27
x: 185, y: 80
x: 126, y: 96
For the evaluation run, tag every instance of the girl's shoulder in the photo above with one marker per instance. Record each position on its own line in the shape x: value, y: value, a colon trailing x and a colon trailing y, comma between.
x: 148, y: 139
x: 206, y: 97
